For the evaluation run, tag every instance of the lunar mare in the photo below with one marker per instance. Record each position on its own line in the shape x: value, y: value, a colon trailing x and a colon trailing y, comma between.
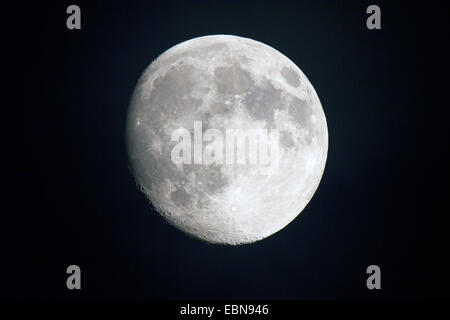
x: 226, y: 82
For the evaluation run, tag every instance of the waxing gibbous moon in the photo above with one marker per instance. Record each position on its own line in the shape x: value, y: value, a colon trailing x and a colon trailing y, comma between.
x: 226, y: 82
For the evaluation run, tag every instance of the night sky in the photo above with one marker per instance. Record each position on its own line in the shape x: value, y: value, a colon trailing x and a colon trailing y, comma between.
x: 70, y: 199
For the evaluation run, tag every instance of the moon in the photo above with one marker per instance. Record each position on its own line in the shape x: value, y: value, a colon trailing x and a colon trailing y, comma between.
x: 226, y: 82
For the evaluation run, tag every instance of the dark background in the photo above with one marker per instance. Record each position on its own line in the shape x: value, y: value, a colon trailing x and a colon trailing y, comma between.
x: 69, y: 197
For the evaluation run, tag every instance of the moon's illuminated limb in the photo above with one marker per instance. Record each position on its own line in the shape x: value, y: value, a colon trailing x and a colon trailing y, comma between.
x: 226, y: 82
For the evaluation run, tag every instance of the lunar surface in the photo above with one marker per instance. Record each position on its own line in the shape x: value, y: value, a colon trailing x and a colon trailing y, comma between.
x: 226, y: 82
